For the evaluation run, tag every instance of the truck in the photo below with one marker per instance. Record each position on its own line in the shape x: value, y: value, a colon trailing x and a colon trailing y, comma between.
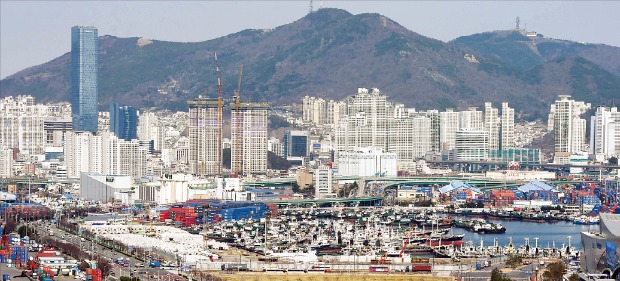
x: 154, y: 263
x: 235, y: 267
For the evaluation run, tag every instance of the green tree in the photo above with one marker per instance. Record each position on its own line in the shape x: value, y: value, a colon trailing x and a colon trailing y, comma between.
x: 25, y: 230
x: 555, y: 271
x: 497, y: 275
x: 514, y: 261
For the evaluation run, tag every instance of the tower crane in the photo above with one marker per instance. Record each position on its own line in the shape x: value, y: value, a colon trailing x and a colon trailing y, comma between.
x: 219, y: 115
x: 238, y: 124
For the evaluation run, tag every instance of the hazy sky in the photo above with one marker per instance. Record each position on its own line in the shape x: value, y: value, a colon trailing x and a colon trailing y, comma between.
x: 34, y: 32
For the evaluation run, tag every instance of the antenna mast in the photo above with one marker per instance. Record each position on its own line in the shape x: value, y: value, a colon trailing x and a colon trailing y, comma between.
x: 310, y: 11
x: 517, y: 23
x: 219, y: 115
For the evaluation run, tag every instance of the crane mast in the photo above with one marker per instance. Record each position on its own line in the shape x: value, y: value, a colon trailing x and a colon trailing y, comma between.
x: 219, y: 115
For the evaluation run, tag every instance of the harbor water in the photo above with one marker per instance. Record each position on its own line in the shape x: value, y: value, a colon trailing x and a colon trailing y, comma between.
x: 547, y: 234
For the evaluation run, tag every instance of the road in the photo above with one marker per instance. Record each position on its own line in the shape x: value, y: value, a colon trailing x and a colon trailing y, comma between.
x: 135, y: 268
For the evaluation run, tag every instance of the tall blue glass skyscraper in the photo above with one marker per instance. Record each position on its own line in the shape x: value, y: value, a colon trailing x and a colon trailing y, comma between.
x: 124, y: 121
x: 84, y: 69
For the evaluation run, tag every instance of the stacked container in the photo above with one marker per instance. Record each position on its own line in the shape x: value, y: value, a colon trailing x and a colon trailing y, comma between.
x: 46, y: 274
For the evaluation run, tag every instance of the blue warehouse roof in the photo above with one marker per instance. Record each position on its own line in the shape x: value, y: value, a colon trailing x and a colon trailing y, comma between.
x: 535, y: 186
x: 458, y: 185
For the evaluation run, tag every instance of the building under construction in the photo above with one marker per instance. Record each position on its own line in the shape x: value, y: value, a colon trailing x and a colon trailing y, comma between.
x: 205, y: 136
x: 249, y: 137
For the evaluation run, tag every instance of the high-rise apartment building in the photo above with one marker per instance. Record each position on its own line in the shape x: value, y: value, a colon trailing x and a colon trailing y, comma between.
x: 410, y: 138
x: 124, y: 121
x: 471, y: 119
x: 276, y: 146
x: 205, y: 136
x: 103, y: 153
x: 434, y: 117
x: 6, y: 162
x: 448, y: 126
x: 367, y: 122
x: 123, y: 157
x: 84, y: 71
x: 605, y: 133
x: 335, y: 111
x: 248, y: 137
x: 507, y: 127
x: 83, y: 153
x: 569, y: 127
x: 21, y: 124
x: 491, y: 125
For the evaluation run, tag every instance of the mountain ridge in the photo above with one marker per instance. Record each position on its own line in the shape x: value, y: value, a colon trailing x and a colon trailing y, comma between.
x: 330, y: 53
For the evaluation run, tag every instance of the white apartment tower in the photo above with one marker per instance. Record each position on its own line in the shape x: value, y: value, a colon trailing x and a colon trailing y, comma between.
x: 83, y: 153
x: 6, y: 162
x: 121, y: 157
x: 248, y: 137
x: 22, y: 124
x: 507, y: 127
x: 569, y: 127
x: 372, y: 106
x: 205, y: 136
x: 448, y: 126
x: 491, y: 125
x: 336, y: 110
x: 410, y: 138
x: 605, y: 133
x: 471, y: 119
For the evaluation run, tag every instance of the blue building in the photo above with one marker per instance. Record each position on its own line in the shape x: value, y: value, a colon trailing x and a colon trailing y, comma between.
x: 124, y: 121
x: 84, y: 70
x: 295, y: 143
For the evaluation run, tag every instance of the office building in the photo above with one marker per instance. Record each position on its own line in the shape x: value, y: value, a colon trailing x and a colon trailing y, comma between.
x: 249, y: 137
x: 296, y: 144
x: 568, y: 126
x: 507, y: 127
x: 367, y: 162
x: 84, y: 71
x: 124, y: 121
x: 323, y: 181
x: 471, y: 145
x: 205, y: 136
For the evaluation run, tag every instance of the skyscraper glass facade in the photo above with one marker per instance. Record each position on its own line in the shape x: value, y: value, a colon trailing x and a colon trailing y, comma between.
x: 124, y: 121
x: 84, y: 70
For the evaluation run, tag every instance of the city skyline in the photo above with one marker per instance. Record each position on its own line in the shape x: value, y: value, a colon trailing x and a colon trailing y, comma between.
x: 129, y: 19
